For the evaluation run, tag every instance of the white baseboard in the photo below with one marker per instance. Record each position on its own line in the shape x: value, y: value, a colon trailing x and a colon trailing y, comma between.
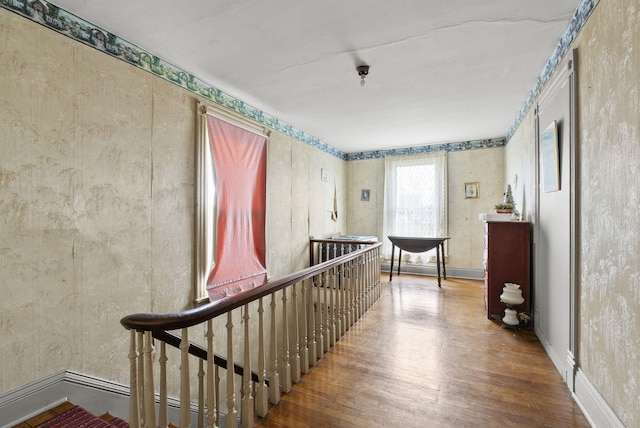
x: 94, y: 394
x: 593, y: 405
x: 34, y: 413
x: 452, y: 272
x: 557, y: 360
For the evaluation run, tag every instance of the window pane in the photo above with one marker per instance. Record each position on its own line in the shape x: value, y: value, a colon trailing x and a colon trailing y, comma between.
x: 415, y: 201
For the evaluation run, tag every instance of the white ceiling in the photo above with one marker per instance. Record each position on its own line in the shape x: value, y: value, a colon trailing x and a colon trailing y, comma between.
x: 441, y: 70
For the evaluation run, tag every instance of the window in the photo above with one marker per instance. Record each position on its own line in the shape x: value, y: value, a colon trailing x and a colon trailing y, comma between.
x: 231, y: 204
x: 415, y: 199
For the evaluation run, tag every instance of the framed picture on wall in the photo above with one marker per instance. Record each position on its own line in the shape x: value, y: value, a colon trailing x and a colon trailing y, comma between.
x: 549, y: 158
x: 364, y: 195
x: 471, y: 190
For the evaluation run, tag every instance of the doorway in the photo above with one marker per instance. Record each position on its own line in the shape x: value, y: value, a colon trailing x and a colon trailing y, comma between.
x: 555, y: 240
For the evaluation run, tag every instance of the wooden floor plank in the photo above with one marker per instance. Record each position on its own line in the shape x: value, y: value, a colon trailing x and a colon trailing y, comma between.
x: 425, y: 356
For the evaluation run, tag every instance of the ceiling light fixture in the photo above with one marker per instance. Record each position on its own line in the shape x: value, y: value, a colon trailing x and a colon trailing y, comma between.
x: 363, y: 71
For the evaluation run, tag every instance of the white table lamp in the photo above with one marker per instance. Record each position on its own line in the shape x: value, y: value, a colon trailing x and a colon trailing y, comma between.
x: 511, y: 296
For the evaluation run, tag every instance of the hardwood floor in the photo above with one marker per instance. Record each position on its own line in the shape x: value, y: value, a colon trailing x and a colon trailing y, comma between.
x: 428, y: 357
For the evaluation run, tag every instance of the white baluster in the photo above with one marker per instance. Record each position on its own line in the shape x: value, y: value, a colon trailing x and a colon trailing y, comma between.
x: 327, y: 320
x: 367, y: 283
x: 359, y: 289
x: 218, y: 395
x: 354, y: 293
x: 305, y: 331
x: 295, y: 370
x: 211, y: 390
x: 286, y: 367
x: 372, y: 279
x: 216, y: 387
x: 377, y: 258
x: 262, y: 393
x: 376, y: 272
x: 162, y: 360
x: 344, y: 299
x: 200, y: 393
x: 149, y: 391
x: 339, y: 302
x: 311, y: 323
x: 247, y: 393
x: 134, y: 419
x: 367, y: 259
x: 274, y: 381
x: 319, y: 323
x: 363, y: 286
x: 185, y: 388
x: 333, y: 287
x: 141, y: 374
x: 232, y: 413
x: 348, y: 294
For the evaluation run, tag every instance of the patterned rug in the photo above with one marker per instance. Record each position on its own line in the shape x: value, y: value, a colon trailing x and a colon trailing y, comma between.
x: 77, y: 417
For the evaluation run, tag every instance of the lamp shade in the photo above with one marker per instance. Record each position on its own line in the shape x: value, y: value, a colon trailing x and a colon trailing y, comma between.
x: 511, y: 294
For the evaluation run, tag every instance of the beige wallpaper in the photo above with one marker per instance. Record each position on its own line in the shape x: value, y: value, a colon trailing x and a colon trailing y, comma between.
x: 97, y: 203
x: 486, y: 167
x: 609, y: 100
x: 299, y: 202
x: 520, y: 167
x: 365, y: 218
x: 608, y: 119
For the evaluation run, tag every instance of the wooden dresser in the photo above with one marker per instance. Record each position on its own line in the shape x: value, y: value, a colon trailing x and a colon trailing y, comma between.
x: 507, y: 258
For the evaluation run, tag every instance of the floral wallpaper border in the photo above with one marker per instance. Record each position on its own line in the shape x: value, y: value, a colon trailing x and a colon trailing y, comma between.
x: 448, y: 147
x: 68, y: 24
x: 584, y: 10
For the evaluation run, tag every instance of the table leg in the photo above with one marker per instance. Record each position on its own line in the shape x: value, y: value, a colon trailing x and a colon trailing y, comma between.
x: 438, y: 265
x: 393, y: 250
x: 399, y: 259
x: 444, y: 267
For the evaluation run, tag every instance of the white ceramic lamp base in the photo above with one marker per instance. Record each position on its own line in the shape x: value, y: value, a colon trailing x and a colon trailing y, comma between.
x: 510, y: 317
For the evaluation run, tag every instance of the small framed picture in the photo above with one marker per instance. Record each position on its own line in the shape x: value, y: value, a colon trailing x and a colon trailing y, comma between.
x: 471, y: 190
x: 364, y: 195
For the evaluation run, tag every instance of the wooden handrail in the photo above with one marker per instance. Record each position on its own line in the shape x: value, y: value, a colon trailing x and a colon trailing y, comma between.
x: 342, y: 241
x: 177, y: 320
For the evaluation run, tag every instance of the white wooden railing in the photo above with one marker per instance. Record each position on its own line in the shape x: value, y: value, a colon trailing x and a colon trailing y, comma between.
x: 287, y: 325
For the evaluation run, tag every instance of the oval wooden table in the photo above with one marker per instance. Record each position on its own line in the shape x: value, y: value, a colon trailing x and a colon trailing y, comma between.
x: 415, y: 244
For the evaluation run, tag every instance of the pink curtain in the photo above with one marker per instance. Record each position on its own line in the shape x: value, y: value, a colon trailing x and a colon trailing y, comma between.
x: 239, y: 157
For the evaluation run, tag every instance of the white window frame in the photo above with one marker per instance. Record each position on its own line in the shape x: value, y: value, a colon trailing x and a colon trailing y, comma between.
x: 206, y: 209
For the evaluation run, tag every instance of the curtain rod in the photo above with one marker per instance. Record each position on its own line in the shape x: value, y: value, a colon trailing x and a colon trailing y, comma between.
x: 233, y: 118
